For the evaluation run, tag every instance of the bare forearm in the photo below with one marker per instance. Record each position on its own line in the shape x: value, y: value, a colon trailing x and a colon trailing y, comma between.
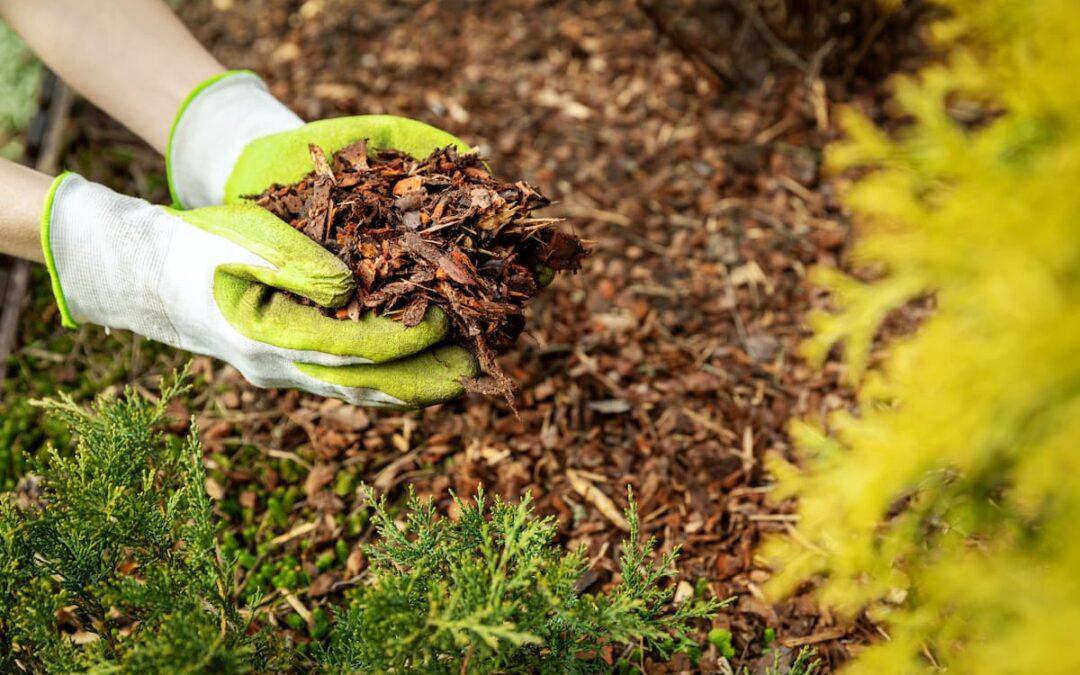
x: 22, y: 198
x: 132, y: 58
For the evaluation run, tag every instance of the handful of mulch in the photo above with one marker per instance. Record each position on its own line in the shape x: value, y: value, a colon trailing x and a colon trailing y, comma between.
x: 440, y: 231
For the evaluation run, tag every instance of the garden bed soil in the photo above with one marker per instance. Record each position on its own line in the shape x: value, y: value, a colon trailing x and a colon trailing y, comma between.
x: 686, y: 139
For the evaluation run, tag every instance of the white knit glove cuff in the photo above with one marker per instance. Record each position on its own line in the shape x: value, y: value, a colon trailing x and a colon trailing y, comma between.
x: 219, y: 118
x: 107, y: 254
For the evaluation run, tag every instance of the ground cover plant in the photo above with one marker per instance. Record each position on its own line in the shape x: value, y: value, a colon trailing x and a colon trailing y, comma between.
x: 949, y: 504
x: 111, y: 559
x: 437, y: 230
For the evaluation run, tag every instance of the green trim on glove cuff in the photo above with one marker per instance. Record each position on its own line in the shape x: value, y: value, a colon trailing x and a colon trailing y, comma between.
x: 200, y: 88
x: 432, y: 377
x: 284, y: 158
x: 46, y: 246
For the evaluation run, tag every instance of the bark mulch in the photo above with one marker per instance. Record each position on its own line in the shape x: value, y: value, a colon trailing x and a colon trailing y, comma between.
x: 685, y: 139
x: 437, y: 230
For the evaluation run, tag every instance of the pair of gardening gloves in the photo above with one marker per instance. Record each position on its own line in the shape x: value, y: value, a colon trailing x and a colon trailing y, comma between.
x: 208, y: 276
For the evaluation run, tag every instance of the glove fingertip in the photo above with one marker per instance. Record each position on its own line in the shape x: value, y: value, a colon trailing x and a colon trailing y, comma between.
x: 435, y: 376
x: 331, y: 290
x: 457, y: 360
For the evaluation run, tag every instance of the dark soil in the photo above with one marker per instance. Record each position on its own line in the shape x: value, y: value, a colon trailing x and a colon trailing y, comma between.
x: 437, y: 230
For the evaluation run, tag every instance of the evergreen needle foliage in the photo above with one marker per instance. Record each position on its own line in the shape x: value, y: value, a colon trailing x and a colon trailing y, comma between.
x: 109, y: 562
x: 950, y: 503
x: 490, y: 592
x: 806, y: 662
x: 112, y: 565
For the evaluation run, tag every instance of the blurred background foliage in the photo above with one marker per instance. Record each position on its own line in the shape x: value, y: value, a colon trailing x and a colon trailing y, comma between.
x: 20, y: 76
x: 948, y: 504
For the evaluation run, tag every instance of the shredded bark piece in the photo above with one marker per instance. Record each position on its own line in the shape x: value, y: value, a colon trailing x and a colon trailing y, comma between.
x: 434, y: 231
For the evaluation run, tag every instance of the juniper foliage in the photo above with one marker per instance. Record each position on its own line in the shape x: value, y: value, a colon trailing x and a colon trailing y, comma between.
x: 806, y: 662
x: 948, y: 506
x: 111, y: 563
x: 491, y: 592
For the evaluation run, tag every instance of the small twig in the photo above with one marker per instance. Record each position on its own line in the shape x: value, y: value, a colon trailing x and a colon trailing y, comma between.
x: 822, y: 636
x: 302, y: 610
x: 466, y: 660
x: 930, y: 656
x: 773, y: 517
x: 816, y: 85
x: 817, y: 61
x: 224, y: 601
x: 801, y: 539
x: 718, y: 429
x: 247, y: 577
x: 385, y: 480
x: 867, y: 41
x: 298, y: 531
x: 748, y: 460
x: 291, y: 456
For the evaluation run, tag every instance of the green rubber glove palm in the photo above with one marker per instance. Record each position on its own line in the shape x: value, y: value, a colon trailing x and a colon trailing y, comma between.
x: 284, y: 158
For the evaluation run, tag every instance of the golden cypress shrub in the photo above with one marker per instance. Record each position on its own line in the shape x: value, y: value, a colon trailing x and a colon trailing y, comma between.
x: 949, y: 504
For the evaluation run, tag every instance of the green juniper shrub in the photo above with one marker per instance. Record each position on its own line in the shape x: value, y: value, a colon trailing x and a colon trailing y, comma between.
x: 52, y: 359
x: 491, y: 592
x: 805, y: 662
x: 111, y: 563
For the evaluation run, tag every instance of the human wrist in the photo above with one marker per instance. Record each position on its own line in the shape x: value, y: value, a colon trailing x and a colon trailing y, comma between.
x: 22, y: 192
x: 212, y: 127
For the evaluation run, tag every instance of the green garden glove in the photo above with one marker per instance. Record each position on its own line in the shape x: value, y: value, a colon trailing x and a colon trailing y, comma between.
x: 232, y: 139
x: 207, y: 280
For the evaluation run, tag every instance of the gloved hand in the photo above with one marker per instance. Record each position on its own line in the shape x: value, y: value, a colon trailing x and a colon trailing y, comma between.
x: 232, y: 139
x: 205, y: 280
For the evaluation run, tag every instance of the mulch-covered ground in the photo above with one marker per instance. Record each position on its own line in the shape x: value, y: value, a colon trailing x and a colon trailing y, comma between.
x: 685, y: 139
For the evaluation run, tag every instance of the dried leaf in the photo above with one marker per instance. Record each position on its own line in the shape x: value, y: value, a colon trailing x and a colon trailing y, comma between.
x: 319, y: 477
